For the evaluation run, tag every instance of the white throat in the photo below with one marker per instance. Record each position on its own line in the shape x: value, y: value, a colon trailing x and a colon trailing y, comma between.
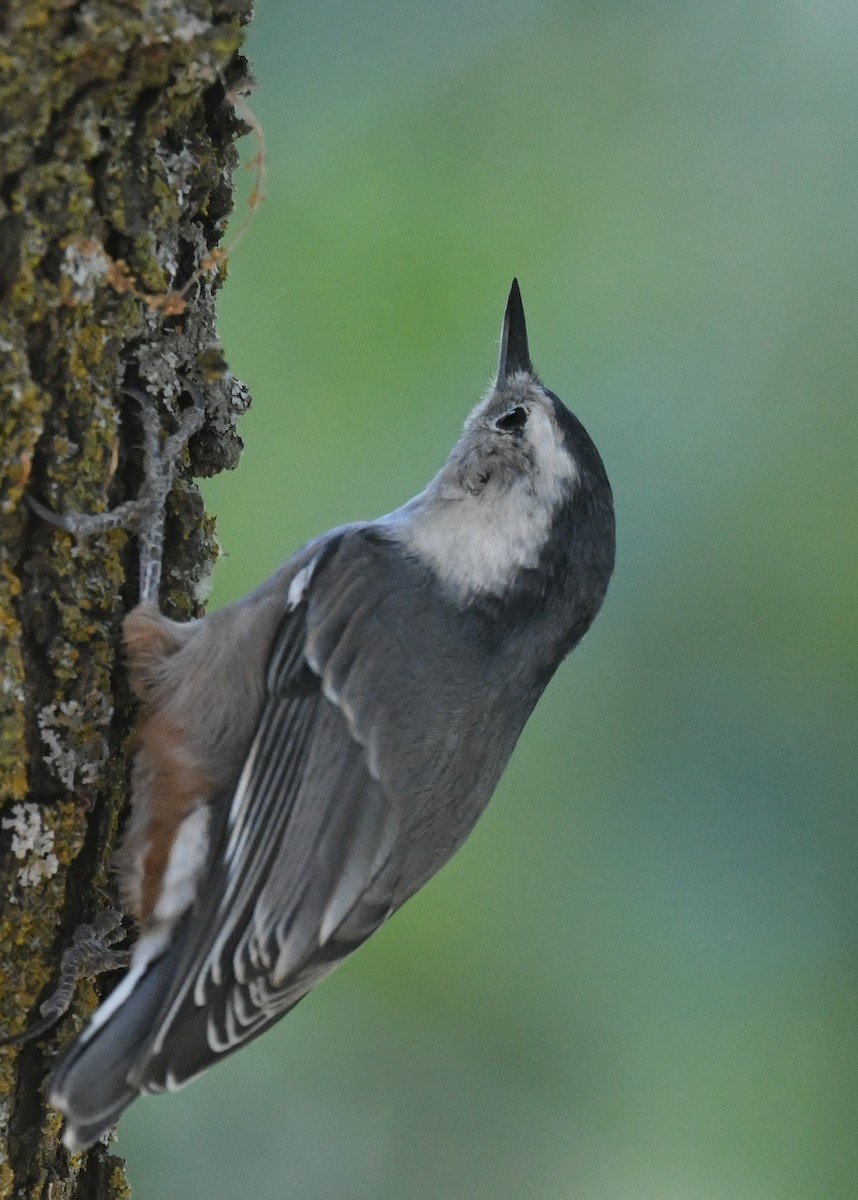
x: 478, y: 541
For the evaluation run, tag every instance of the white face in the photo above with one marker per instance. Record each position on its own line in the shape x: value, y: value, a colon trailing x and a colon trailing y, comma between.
x: 489, y: 511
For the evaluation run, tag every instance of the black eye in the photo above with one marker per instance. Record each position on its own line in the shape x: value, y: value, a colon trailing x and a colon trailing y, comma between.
x: 514, y: 420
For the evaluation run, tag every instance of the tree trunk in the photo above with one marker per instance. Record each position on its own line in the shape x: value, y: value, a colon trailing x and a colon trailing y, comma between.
x: 116, y: 151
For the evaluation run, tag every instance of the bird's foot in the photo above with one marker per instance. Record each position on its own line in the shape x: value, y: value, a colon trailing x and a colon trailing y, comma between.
x: 92, y: 952
x: 145, y: 515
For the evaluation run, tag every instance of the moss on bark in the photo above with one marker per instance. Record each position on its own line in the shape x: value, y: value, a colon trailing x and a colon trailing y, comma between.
x: 116, y: 155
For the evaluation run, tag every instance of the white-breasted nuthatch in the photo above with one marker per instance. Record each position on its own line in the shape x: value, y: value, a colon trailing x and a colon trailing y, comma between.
x: 311, y: 755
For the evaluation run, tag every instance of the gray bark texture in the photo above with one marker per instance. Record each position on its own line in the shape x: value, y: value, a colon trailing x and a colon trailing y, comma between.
x: 117, y: 129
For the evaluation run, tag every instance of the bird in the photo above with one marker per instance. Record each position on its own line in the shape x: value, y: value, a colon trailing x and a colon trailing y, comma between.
x: 309, y: 756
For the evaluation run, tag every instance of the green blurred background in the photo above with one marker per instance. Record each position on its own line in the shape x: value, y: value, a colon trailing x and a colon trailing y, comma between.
x: 638, y: 979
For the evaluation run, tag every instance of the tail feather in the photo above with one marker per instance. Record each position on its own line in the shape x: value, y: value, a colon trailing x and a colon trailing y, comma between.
x: 91, y: 1087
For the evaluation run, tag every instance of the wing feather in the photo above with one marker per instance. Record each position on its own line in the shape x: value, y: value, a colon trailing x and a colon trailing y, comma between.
x: 347, y: 800
x: 307, y: 847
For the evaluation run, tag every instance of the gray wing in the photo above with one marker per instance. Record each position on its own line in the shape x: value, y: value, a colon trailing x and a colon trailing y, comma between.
x: 388, y: 721
x: 306, y: 864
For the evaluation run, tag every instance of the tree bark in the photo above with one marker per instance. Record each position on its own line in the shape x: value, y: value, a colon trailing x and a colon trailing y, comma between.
x: 117, y: 125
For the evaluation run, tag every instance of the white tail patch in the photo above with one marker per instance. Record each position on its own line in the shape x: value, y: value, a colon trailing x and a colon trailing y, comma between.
x: 148, y: 948
x: 187, y: 856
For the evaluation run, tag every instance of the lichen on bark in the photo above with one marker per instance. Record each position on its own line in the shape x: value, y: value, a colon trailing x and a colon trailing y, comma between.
x: 117, y: 129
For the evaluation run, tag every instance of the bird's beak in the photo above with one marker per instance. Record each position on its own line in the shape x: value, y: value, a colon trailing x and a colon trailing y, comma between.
x: 514, y: 354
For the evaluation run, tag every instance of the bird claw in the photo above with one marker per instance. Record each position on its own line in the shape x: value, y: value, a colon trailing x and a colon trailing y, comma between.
x: 83, y: 525
x: 145, y: 515
x: 90, y: 953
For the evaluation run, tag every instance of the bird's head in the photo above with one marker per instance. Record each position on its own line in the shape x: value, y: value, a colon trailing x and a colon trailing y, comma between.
x: 524, y: 481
